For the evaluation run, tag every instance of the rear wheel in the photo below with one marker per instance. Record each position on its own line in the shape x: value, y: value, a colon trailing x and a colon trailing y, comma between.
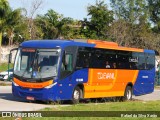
x: 128, y: 94
x: 77, y: 93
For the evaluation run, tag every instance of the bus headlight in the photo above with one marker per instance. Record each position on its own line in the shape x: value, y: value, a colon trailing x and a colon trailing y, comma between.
x: 15, y: 84
x: 49, y: 86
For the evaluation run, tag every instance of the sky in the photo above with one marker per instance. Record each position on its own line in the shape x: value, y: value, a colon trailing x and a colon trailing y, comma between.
x: 76, y: 9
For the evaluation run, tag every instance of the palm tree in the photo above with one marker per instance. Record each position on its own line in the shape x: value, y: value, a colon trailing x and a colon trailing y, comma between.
x: 13, y: 19
x: 4, y: 9
x: 54, y: 25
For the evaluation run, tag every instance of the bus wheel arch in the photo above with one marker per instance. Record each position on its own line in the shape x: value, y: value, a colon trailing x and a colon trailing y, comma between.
x: 77, y: 94
x: 128, y: 92
x: 81, y: 86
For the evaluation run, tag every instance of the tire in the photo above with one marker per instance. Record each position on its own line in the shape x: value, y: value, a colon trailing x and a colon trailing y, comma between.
x: 77, y: 93
x: 128, y: 94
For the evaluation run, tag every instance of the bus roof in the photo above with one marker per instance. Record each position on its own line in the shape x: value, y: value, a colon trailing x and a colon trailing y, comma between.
x: 53, y: 43
x: 79, y: 42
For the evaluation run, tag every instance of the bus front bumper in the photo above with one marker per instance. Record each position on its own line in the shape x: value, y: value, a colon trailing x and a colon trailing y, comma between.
x: 43, y: 94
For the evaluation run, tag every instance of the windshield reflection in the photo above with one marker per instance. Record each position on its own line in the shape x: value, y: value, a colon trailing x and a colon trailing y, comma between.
x: 36, y: 63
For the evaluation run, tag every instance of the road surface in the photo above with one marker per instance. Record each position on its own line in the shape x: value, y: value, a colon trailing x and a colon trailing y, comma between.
x: 10, y: 103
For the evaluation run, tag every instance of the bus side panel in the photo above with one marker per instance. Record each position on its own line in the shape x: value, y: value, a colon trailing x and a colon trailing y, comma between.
x: 68, y: 84
x: 108, y: 82
x: 145, y: 82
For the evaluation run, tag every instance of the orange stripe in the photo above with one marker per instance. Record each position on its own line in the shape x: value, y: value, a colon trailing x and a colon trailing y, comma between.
x: 32, y: 85
x: 112, y: 45
x: 108, y: 82
x: 119, y: 48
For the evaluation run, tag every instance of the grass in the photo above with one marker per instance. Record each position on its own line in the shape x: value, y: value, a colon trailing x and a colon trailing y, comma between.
x: 80, y: 118
x: 4, y: 84
x: 110, y: 106
x: 4, y: 66
x: 107, y: 106
x: 157, y: 87
x: 104, y: 107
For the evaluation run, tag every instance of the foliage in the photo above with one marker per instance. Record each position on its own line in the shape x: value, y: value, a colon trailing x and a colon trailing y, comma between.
x: 4, y: 66
x: 100, y: 19
x: 56, y: 26
x: 4, y: 8
x: 132, y: 26
x: 120, y: 32
x: 130, y: 10
x: 154, y: 8
x: 133, y: 23
x: 13, y: 19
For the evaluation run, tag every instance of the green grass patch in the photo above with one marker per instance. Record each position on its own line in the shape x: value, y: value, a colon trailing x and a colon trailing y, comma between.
x: 4, y: 66
x: 157, y: 87
x: 80, y: 118
x: 108, y: 106
x: 4, y: 84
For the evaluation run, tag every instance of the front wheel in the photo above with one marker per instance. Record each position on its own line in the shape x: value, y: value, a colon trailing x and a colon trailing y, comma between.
x: 76, y: 95
x: 128, y: 94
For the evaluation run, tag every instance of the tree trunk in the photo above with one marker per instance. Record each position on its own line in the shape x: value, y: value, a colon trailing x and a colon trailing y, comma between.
x: 11, y: 39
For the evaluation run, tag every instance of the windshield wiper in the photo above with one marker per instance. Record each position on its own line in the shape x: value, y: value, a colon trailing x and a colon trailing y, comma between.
x: 36, y: 67
x: 24, y: 73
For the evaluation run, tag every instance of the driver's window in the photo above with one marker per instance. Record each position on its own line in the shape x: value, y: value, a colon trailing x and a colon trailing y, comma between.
x: 67, y: 65
x: 69, y: 62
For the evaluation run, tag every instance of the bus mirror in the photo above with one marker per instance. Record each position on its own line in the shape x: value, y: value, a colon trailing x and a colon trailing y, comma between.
x: 10, y: 58
x: 10, y: 55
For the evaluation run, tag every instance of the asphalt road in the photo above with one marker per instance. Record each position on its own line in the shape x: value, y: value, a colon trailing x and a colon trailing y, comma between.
x: 10, y: 103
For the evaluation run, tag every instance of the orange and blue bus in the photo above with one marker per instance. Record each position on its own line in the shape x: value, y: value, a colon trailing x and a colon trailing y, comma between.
x: 51, y: 70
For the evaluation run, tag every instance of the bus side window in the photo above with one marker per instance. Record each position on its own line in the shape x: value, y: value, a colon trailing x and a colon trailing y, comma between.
x: 150, y: 61
x: 82, y: 60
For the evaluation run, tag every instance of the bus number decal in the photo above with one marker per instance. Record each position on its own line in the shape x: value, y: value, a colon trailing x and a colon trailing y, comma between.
x: 79, y: 79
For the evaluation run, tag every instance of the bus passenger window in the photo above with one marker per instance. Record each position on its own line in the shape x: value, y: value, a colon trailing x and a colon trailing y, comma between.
x: 107, y: 64
x: 114, y: 65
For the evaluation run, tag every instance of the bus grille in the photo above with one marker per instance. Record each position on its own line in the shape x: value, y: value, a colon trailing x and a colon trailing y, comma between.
x: 35, y: 95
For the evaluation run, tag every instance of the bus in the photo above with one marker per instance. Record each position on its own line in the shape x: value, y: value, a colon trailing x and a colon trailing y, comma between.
x: 51, y: 70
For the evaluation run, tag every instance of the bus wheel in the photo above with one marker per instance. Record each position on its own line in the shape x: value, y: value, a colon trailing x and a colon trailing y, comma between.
x: 128, y: 94
x: 76, y: 95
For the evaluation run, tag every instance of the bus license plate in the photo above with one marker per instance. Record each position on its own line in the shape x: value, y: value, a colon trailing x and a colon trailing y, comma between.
x: 30, y: 98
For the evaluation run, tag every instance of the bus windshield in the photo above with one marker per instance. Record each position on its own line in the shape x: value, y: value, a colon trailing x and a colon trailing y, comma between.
x: 36, y: 63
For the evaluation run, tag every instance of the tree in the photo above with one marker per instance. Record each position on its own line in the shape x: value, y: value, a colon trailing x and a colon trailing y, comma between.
x: 4, y: 9
x: 131, y: 27
x: 30, y: 11
x: 130, y: 10
x: 66, y: 28
x: 55, y: 25
x: 48, y: 23
x: 154, y: 9
x: 12, y: 20
x: 120, y: 32
x: 100, y: 19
